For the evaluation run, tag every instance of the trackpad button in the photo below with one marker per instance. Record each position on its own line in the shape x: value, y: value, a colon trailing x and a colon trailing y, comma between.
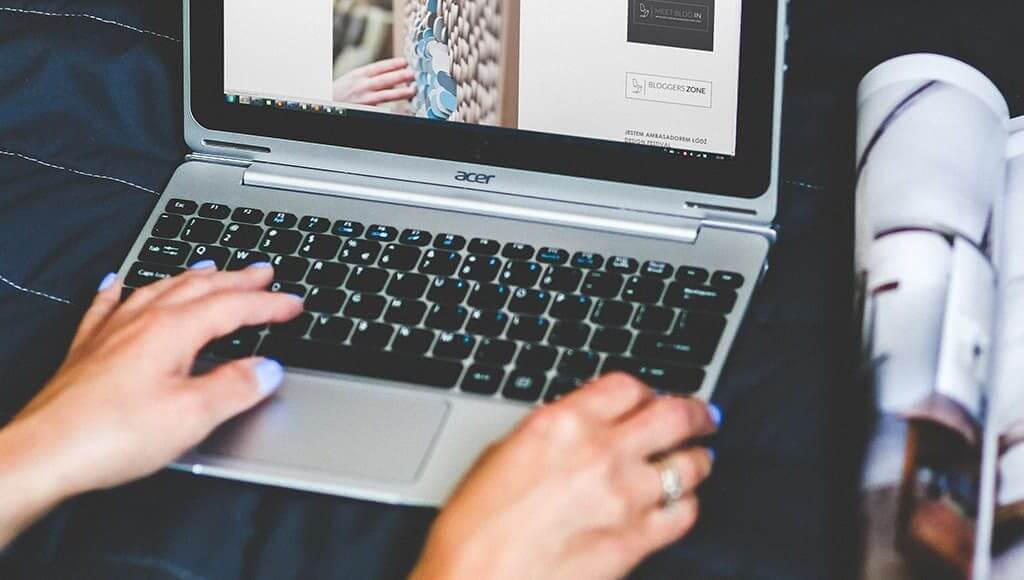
x: 317, y: 425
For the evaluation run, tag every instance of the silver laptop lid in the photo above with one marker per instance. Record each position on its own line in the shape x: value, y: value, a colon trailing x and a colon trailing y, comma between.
x: 664, y: 106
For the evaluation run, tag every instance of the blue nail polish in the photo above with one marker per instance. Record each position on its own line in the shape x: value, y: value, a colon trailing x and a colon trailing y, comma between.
x: 269, y: 374
x: 107, y: 282
x: 716, y: 414
x: 203, y: 265
x: 712, y: 454
x: 261, y: 265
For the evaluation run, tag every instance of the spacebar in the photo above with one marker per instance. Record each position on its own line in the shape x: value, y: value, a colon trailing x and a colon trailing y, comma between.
x: 376, y: 364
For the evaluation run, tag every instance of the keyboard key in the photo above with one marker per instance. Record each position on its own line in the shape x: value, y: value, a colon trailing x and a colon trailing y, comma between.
x: 278, y: 241
x: 560, y: 279
x: 366, y: 306
x: 703, y: 298
x: 314, y: 225
x: 554, y: 256
x: 325, y: 300
x: 397, y: 257
x: 587, y: 260
x: 418, y: 238
x: 570, y: 334
x: 181, y: 207
x: 414, y: 341
x: 727, y: 280
x: 663, y: 348
x: 289, y: 268
x: 645, y: 290
x: 320, y: 247
x: 533, y: 302
x: 215, y: 211
x: 237, y: 345
x: 571, y: 307
x: 450, y: 242
x: 288, y: 288
x: 280, y: 219
x: 528, y: 329
x: 602, y: 284
x: 219, y: 255
x: 561, y: 387
x: 404, y: 311
x: 484, y: 247
x: 383, y: 365
x: 142, y: 274
x: 518, y: 251
x: 489, y: 296
x: 612, y: 313
x: 495, y: 352
x: 480, y: 268
x: 295, y: 328
x: 653, y: 318
x: 522, y: 274
x: 170, y: 225
x: 242, y: 259
x: 348, y: 229
x: 579, y: 363
x: 621, y: 265
x: 613, y: 340
x: 360, y: 252
x: 408, y: 285
x: 382, y: 233
x: 241, y: 236
x: 327, y: 274
x: 692, y: 276
x: 367, y: 280
x: 454, y: 346
x: 534, y: 357
x: 372, y: 335
x: 660, y: 270
x: 331, y: 328
x: 700, y: 325
x: 481, y: 380
x: 247, y: 215
x: 664, y: 377
x: 448, y: 291
x: 440, y: 263
x: 202, y: 231
x: 488, y: 322
x: 166, y: 252
x: 524, y: 386
x: 446, y: 317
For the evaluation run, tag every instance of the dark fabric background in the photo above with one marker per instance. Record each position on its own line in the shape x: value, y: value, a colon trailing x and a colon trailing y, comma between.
x: 90, y: 130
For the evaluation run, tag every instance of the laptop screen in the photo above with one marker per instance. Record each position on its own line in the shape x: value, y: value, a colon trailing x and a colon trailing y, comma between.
x: 658, y: 73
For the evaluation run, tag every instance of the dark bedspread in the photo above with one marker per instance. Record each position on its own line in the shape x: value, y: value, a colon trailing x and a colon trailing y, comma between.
x: 90, y: 130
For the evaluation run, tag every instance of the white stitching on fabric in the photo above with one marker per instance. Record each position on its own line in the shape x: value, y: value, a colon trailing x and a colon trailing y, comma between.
x: 84, y: 173
x: 90, y: 17
x: 34, y: 292
x: 804, y: 185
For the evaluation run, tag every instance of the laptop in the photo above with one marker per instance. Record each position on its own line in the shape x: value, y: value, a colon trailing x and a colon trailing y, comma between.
x: 484, y: 203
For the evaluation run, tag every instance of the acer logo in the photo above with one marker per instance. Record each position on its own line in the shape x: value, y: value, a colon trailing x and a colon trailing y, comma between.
x: 474, y: 177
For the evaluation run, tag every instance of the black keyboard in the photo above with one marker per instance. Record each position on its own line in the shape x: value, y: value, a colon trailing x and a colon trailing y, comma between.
x: 483, y: 316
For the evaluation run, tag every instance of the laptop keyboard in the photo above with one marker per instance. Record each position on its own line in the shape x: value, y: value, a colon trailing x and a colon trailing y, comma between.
x: 488, y: 317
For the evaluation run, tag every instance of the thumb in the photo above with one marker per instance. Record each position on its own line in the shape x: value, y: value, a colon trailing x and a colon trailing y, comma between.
x: 236, y: 387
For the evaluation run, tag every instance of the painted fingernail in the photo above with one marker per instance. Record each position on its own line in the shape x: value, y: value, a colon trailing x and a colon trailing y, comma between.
x: 712, y: 454
x: 107, y: 281
x: 261, y: 265
x: 716, y: 414
x: 203, y: 265
x: 269, y: 374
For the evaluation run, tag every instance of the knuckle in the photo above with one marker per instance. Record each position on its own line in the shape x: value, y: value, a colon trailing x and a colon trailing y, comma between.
x: 562, y: 422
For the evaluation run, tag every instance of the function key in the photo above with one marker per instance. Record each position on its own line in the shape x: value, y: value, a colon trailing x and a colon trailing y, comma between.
x: 552, y: 256
x: 168, y: 226
x: 215, y: 211
x: 518, y: 251
x: 313, y: 224
x: 730, y: 280
x: 182, y: 206
x: 623, y: 265
x: 484, y: 247
x: 587, y: 260
x: 348, y: 229
x: 657, y: 270
x: 692, y: 276
x: 279, y: 219
x: 450, y: 242
x: 247, y: 215
x: 417, y: 238
x: 382, y: 233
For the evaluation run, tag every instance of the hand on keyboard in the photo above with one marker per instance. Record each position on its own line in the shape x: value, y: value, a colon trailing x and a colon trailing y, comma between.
x: 573, y: 492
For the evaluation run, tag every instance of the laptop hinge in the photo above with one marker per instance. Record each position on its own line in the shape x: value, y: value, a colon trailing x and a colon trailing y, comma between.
x: 469, y: 200
x: 218, y: 159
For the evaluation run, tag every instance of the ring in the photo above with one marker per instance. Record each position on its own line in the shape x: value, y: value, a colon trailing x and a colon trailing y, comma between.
x: 671, y: 483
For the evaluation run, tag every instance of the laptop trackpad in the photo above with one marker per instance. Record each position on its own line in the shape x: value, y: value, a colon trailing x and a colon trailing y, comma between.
x: 317, y: 425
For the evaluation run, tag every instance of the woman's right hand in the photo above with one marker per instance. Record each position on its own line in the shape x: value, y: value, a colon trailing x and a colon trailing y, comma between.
x: 576, y: 490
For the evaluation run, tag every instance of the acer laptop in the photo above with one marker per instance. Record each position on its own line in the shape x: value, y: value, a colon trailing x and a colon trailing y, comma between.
x: 484, y: 203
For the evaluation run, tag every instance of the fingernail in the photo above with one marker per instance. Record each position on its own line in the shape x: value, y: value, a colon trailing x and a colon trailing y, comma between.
x: 107, y: 282
x: 295, y: 297
x: 203, y: 265
x: 269, y: 374
x: 716, y: 414
x: 712, y: 454
x: 261, y: 265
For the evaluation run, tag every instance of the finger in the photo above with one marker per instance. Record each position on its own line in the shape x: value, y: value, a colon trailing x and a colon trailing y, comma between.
x: 197, y: 283
x: 663, y: 424
x: 661, y: 527
x: 211, y: 317
x: 231, y: 389
x: 381, y: 67
x: 106, y: 301
x: 609, y: 398
x: 389, y: 96
x: 143, y: 297
x: 390, y: 80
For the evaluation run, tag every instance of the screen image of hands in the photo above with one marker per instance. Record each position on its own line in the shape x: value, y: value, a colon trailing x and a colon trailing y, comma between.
x: 378, y: 83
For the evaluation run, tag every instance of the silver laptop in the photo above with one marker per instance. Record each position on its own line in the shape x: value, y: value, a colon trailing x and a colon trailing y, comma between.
x: 485, y: 203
